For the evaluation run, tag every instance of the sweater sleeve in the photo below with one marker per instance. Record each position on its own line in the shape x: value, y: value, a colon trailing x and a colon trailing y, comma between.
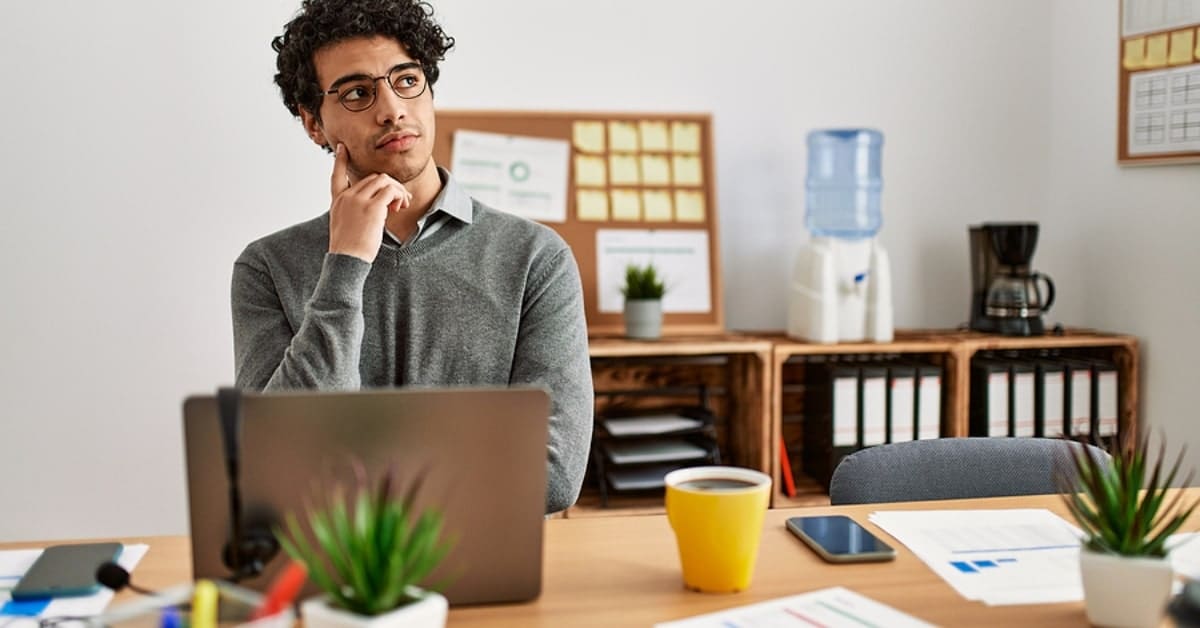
x: 323, y: 353
x: 552, y: 352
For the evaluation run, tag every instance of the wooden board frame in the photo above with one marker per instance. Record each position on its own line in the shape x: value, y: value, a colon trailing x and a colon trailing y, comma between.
x: 581, y: 234
x: 1124, y: 76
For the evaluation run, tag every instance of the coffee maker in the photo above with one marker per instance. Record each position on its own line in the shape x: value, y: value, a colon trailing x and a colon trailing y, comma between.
x: 1006, y: 296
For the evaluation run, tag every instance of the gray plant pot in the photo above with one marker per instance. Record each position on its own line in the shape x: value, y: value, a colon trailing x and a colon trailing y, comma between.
x: 643, y: 318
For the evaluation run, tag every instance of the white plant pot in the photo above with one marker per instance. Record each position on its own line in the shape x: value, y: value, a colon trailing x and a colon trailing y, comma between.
x: 1124, y: 590
x: 643, y: 318
x: 427, y: 612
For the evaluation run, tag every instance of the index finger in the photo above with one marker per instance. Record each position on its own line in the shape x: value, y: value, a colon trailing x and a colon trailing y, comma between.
x: 338, y: 182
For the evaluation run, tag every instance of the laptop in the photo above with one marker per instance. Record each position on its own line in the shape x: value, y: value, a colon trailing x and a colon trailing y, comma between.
x: 483, y: 452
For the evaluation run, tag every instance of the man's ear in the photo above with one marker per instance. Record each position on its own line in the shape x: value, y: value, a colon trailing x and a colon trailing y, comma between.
x: 312, y: 126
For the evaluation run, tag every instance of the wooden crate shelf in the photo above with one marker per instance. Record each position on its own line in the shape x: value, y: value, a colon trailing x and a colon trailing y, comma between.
x: 953, y: 351
x: 735, y: 371
x: 754, y: 382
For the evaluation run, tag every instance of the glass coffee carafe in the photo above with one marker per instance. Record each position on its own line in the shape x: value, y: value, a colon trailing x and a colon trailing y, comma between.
x: 1019, y: 295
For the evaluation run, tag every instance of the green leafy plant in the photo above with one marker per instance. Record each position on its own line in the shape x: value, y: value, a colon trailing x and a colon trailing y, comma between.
x: 642, y: 282
x: 1121, y: 510
x: 367, y: 548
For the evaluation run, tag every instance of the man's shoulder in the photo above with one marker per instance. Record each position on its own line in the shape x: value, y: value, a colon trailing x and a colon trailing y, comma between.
x: 298, y: 239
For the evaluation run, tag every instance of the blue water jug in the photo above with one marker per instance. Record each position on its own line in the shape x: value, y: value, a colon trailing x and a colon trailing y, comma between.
x: 843, y: 185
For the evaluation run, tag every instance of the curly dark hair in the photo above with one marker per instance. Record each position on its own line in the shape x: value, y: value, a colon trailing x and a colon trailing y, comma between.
x: 323, y: 22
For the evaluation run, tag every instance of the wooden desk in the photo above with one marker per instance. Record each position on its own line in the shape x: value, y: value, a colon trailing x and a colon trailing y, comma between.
x: 623, y: 571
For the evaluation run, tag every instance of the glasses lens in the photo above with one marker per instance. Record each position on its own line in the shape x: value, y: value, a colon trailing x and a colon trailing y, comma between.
x: 357, y: 96
x: 407, y: 82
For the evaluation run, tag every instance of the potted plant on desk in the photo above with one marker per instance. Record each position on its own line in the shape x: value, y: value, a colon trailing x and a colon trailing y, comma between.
x: 1126, y: 519
x: 369, y: 563
x: 643, y: 292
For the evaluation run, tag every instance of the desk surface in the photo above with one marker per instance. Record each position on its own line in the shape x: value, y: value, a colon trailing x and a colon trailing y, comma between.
x: 623, y: 571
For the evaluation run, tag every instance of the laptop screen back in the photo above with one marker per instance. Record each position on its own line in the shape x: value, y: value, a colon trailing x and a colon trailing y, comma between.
x: 482, y: 452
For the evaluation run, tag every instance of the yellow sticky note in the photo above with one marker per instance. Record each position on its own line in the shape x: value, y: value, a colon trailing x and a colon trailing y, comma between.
x: 689, y: 206
x: 588, y: 136
x: 622, y: 136
x: 685, y: 137
x: 656, y: 170
x: 657, y: 205
x: 1156, y: 51
x: 655, y: 136
x: 1182, y: 43
x: 1198, y: 43
x: 1135, y: 54
x: 590, y: 170
x: 626, y: 205
x: 623, y: 169
x: 686, y: 169
x: 591, y: 204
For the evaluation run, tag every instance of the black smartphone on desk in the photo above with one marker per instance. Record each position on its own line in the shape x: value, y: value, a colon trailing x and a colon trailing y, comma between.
x: 839, y: 539
x: 65, y: 570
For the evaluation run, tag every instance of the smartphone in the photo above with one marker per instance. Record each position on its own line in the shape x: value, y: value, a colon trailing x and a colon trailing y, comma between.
x: 839, y: 539
x: 65, y: 570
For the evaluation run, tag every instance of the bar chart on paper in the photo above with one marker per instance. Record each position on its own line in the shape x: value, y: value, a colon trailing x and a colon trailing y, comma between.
x: 994, y: 556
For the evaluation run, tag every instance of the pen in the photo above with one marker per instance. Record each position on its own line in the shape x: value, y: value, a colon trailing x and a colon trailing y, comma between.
x: 204, y: 605
x: 283, y: 590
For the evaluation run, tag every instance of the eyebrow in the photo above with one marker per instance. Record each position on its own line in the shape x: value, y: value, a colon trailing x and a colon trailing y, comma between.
x: 360, y: 77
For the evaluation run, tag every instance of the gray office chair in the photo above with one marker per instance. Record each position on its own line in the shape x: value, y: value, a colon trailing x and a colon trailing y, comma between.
x: 952, y: 468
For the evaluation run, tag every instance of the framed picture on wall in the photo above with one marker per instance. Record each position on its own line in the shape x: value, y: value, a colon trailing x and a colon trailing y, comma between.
x: 1159, y: 93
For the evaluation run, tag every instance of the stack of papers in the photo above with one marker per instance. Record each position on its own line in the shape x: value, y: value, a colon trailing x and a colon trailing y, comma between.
x: 13, y: 614
x: 833, y: 607
x: 1023, y: 556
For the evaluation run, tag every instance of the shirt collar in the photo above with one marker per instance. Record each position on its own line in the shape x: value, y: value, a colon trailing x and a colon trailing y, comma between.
x: 453, y: 199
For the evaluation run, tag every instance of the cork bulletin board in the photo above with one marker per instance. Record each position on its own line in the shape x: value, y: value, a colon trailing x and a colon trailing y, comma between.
x: 638, y: 187
x: 1159, y: 95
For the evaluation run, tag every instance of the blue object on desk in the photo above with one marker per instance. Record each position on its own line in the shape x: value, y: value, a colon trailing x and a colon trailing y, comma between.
x: 25, y: 608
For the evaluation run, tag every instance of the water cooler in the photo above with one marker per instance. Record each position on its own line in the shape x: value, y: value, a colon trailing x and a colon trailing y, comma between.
x: 841, y: 287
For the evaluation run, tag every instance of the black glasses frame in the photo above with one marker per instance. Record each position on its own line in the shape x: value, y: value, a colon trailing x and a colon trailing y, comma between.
x: 374, y: 89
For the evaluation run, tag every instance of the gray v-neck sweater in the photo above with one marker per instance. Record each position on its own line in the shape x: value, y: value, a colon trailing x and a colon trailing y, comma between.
x: 495, y: 301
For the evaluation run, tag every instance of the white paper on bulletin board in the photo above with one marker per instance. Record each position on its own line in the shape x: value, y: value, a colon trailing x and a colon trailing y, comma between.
x: 526, y: 176
x: 680, y: 256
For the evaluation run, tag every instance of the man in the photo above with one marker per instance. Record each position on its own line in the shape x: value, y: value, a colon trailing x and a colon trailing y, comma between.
x: 406, y: 280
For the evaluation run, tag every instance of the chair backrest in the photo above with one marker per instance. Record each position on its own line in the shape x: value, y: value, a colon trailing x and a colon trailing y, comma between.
x: 953, y: 468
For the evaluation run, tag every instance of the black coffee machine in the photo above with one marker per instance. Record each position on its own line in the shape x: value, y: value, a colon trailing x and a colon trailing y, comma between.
x: 1006, y: 296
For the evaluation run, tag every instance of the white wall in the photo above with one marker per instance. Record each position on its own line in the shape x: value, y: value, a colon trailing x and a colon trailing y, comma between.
x: 1121, y: 240
x: 146, y: 146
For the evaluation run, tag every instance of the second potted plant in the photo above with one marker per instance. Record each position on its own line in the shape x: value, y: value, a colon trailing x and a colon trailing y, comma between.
x: 368, y: 553
x: 1127, y: 518
x: 643, y: 291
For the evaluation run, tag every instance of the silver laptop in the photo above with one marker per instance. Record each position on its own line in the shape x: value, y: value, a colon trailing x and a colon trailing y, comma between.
x: 483, y: 452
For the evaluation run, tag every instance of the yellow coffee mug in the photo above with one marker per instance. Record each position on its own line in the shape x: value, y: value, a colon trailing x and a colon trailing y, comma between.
x: 717, y: 514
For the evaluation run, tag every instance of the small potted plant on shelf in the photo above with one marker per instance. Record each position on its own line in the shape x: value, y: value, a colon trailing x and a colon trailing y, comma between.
x: 1126, y: 519
x: 643, y: 291
x: 368, y: 552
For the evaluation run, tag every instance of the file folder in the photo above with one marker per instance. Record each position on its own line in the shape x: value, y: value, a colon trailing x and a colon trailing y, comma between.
x: 989, y: 398
x: 1049, y: 402
x: 1105, y: 398
x: 1078, y: 398
x: 873, y: 381
x: 1021, y: 398
x: 928, y: 410
x: 832, y: 429
x: 901, y: 403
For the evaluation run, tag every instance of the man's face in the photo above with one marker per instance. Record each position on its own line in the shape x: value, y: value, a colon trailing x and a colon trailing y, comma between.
x: 394, y: 135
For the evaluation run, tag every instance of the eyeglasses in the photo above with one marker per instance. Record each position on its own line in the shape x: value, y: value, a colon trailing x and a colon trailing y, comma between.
x: 357, y: 93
